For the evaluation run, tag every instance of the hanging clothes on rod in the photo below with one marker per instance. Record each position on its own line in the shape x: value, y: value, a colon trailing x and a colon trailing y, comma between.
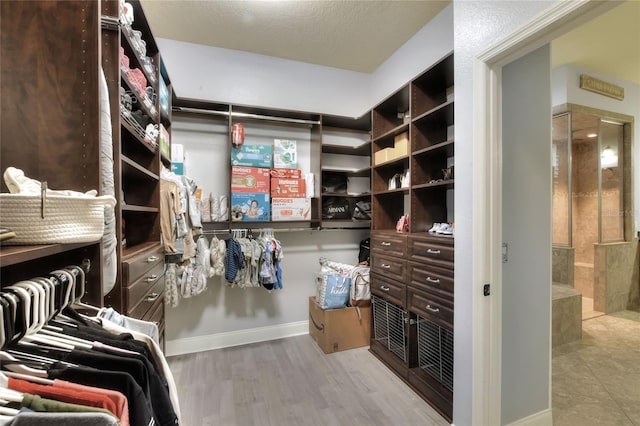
x: 72, y: 368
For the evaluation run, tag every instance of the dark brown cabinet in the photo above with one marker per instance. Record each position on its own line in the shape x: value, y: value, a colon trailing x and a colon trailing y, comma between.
x: 133, y: 66
x: 50, y: 119
x: 412, y: 278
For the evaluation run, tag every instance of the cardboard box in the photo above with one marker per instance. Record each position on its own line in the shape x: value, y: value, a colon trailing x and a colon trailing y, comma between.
x: 288, y: 188
x: 250, y: 179
x: 286, y: 173
x: 250, y: 207
x: 401, y: 145
x: 252, y: 156
x: 337, y: 330
x: 283, y: 209
x: 285, y: 154
x: 382, y: 156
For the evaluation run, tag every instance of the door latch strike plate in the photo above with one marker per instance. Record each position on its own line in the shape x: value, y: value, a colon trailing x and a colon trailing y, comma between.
x: 486, y: 289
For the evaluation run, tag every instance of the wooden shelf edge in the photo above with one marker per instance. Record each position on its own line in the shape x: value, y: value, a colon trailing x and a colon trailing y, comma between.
x: 392, y: 191
x: 139, y: 168
x: 132, y: 251
x: 435, y: 147
x: 135, y: 208
x: 432, y: 111
x: 361, y: 150
x: 352, y: 172
x: 449, y: 182
x: 391, y: 162
x: 395, y: 131
x: 346, y: 195
x: 11, y: 255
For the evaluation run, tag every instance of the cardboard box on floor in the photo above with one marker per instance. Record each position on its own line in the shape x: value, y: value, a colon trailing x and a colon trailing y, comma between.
x: 337, y: 330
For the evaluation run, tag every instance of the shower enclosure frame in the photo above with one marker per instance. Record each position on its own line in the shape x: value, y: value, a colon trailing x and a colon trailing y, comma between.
x: 617, y: 282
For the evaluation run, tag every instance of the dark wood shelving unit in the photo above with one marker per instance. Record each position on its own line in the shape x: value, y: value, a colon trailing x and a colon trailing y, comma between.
x: 415, y: 269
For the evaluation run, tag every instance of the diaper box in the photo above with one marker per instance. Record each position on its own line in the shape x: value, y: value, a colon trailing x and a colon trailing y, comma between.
x: 252, y: 156
x: 285, y: 154
x: 293, y: 188
x: 250, y: 179
x: 283, y: 209
x: 250, y: 207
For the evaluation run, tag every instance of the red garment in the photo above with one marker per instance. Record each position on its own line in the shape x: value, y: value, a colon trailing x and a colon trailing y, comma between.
x: 119, y: 400
x: 72, y: 393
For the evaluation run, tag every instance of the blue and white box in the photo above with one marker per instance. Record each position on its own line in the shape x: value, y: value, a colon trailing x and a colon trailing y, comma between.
x: 250, y: 207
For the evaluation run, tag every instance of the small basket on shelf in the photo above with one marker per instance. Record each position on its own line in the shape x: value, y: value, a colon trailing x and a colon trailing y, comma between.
x: 53, y: 217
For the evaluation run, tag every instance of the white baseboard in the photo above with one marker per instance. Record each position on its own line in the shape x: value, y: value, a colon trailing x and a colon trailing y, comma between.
x: 235, y: 338
x: 542, y: 418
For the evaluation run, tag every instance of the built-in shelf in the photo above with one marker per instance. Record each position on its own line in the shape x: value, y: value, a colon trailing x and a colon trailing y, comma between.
x: 135, y: 208
x: 393, y: 162
x: 129, y: 128
x: 132, y: 164
x: 393, y: 132
x: 365, y: 171
x: 392, y: 191
x: 362, y: 150
x: 440, y: 108
x: 446, y: 144
x: 12, y: 255
x: 446, y: 183
x: 346, y: 195
x: 139, y: 104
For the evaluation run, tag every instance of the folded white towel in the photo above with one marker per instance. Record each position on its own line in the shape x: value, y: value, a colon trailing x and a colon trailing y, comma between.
x: 18, y: 183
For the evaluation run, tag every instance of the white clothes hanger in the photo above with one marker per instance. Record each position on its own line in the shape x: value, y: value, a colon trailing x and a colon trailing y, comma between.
x: 19, y: 368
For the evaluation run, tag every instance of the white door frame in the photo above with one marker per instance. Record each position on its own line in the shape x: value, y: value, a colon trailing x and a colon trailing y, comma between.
x: 560, y: 18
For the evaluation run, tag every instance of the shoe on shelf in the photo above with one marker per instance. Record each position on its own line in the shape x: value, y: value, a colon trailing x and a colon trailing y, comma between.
x: 435, y: 227
x: 445, y: 229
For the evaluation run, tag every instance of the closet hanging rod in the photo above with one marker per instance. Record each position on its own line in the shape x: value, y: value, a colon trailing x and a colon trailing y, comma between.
x: 246, y: 115
x: 275, y: 230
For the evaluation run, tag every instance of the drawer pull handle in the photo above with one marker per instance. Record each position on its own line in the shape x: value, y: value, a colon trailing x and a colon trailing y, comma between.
x: 434, y: 310
x: 382, y: 265
x: 152, y: 259
x: 431, y: 280
x: 152, y: 278
x: 383, y: 288
x: 152, y: 297
x: 385, y: 243
x: 431, y: 251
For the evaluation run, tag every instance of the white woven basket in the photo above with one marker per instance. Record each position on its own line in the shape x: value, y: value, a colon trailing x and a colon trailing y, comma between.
x: 66, y: 219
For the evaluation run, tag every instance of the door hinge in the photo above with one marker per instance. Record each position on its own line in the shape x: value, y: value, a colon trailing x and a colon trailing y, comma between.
x: 505, y: 252
x: 486, y: 289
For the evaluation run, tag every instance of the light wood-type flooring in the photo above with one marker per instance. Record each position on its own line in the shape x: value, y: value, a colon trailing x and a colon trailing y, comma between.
x: 292, y: 382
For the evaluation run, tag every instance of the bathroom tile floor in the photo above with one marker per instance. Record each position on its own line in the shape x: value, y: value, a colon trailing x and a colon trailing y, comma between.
x: 587, y: 309
x: 596, y: 381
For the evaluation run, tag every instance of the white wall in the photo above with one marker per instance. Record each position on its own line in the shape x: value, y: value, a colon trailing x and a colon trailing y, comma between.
x: 432, y: 43
x: 478, y: 25
x: 223, y: 75
x: 566, y: 89
x: 526, y: 228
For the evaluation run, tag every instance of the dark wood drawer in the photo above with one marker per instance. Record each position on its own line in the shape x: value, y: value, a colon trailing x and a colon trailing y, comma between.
x: 389, y: 244
x: 431, y: 306
x: 432, y: 278
x: 155, y: 313
x: 134, y: 267
x: 390, y: 290
x: 154, y: 294
x: 432, y: 252
x: 388, y: 266
x: 139, y: 288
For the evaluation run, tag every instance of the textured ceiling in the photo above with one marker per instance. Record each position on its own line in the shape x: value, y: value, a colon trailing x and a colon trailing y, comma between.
x: 360, y: 35
x: 353, y: 35
x: 609, y: 44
